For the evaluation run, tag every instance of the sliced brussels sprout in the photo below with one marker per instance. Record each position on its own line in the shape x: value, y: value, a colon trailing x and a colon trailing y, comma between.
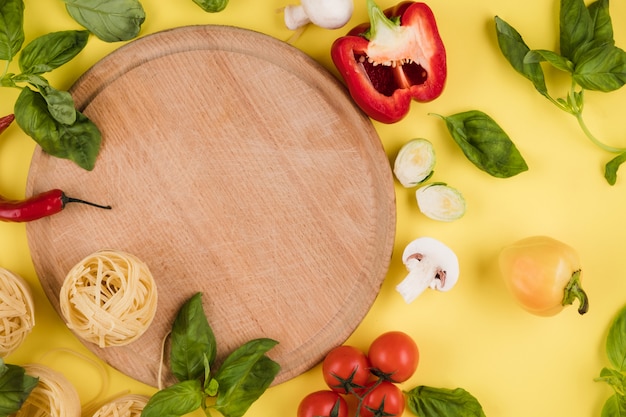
x: 415, y: 162
x: 440, y: 202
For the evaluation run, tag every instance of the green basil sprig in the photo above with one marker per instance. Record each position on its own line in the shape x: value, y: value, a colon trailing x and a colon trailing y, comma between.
x: 239, y: 381
x: 15, y: 387
x: 46, y: 114
x: 615, y: 374
x: 429, y: 401
x: 485, y: 143
x: 587, y: 52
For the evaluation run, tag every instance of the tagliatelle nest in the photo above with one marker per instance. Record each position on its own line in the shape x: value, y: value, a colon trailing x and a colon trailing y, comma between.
x: 109, y: 298
x: 127, y: 406
x: 17, y: 311
x: 54, y: 395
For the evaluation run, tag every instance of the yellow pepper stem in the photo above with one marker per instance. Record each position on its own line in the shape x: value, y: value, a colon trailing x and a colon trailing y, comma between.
x: 573, y: 291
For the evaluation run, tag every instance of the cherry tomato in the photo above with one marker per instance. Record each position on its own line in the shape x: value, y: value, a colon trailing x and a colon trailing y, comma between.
x: 543, y: 274
x: 345, y: 368
x: 393, y: 356
x: 385, y: 399
x: 323, y: 404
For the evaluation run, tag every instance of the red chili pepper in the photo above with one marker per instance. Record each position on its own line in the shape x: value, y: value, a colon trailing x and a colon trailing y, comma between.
x: 5, y: 121
x: 395, y: 58
x: 38, y: 206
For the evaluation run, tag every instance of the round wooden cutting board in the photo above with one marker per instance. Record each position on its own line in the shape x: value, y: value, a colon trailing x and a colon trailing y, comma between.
x: 237, y: 167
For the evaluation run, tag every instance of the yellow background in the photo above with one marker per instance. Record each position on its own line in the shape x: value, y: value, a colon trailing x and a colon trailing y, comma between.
x: 475, y: 336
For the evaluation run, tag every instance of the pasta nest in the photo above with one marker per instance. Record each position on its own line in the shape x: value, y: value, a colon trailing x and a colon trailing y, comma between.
x: 127, y: 406
x: 109, y: 298
x: 17, y: 311
x: 53, y: 396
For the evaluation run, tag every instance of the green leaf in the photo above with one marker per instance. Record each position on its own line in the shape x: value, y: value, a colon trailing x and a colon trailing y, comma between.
x: 616, y: 341
x: 615, y: 406
x: 111, y: 20
x: 602, y: 25
x: 78, y: 142
x: 176, y: 400
x: 576, y: 27
x: 52, y: 50
x: 15, y: 387
x: 244, y: 376
x: 554, y: 59
x: 515, y: 50
x: 485, y: 144
x: 60, y: 103
x: 428, y: 401
x: 601, y: 69
x: 212, y: 6
x: 11, y: 28
x: 610, y: 170
x: 192, y: 341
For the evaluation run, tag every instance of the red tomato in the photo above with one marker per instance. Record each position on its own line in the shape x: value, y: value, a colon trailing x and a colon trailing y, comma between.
x: 323, y: 404
x: 345, y: 367
x: 385, y: 399
x: 394, y: 356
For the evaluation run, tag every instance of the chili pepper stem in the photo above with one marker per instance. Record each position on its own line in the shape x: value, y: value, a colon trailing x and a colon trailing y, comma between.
x: 65, y: 200
x: 574, y: 291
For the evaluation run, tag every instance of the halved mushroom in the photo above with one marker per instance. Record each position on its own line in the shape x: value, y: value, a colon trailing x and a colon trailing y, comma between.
x: 431, y: 264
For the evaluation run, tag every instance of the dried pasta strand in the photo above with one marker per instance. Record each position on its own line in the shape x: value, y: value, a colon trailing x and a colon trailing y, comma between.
x: 54, y: 395
x: 129, y: 405
x: 109, y: 298
x: 17, y: 311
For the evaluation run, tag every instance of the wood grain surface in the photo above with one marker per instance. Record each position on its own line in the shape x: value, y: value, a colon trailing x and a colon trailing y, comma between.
x: 237, y: 167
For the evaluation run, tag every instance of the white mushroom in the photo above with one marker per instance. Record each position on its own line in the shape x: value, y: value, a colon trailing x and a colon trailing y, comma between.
x: 431, y: 264
x: 328, y: 14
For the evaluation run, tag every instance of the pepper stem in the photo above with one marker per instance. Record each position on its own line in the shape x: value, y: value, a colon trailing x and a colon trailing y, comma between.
x: 574, y: 291
x: 378, y: 21
x: 65, y: 200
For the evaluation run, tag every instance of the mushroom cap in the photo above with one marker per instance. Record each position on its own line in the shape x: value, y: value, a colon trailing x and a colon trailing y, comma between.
x: 437, y: 253
x: 329, y: 14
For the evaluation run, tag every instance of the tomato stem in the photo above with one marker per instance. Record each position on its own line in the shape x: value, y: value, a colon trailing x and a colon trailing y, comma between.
x: 573, y: 291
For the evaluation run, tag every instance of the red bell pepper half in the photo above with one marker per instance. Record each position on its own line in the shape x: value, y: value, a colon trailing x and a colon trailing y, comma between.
x: 395, y: 58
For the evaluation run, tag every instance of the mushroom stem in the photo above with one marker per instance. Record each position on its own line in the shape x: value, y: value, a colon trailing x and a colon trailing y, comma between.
x: 295, y: 17
x: 422, y: 274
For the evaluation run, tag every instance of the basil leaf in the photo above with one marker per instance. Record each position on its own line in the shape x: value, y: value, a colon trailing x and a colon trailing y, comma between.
x: 616, y: 341
x: 576, y: 27
x: 192, y: 341
x: 11, y: 28
x: 52, y: 50
x: 60, y: 103
x: 78, y: 142
x: 111, y: 20
x: 212, y: 6
x: 515, y: 50
x: 601, y: 69
x: 244, y: 376
x: 428, y: 401
x: 610, y: 170
x: 176, y: 400
x: 556, y: 60
x: 485, y: 144
x: 15, y: 387
x: 602, y: 25
x: 615, y: 406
